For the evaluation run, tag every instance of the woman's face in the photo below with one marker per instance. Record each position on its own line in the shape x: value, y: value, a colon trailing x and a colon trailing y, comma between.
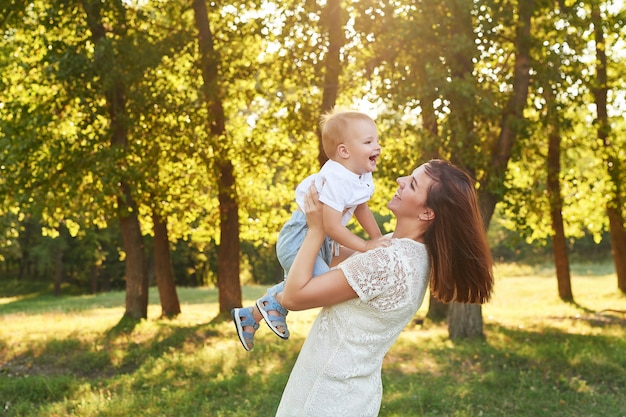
x: 410, y: 199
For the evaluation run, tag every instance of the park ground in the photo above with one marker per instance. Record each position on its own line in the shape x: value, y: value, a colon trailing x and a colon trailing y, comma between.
x: 74, y: 356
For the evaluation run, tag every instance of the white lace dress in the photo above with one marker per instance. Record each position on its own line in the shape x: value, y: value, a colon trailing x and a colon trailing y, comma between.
x: 338, y: 371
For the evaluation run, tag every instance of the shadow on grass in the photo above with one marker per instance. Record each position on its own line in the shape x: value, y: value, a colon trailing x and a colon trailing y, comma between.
x: 600, y: 318
x: 67, y: 366
x: 124, y: 327
x: 91, y: 359
x: 44, y: 302
x: 513, y: 372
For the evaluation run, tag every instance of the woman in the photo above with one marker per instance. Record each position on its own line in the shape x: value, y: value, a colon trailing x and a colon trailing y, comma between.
x: 369, y: 298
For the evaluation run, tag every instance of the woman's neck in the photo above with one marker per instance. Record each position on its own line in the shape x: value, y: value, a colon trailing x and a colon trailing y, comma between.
x: 411, y: 230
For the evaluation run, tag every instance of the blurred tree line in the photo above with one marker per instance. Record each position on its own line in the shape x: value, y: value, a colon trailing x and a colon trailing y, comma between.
x: 159, y: 142
x: 93, y: 262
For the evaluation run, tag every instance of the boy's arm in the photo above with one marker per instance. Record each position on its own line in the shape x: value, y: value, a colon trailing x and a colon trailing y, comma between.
x: 342, y: 235
x: 302, y: 291
x: 366, y: 219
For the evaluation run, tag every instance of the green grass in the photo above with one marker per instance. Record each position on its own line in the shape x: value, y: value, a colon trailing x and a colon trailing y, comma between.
x: 73, y: 356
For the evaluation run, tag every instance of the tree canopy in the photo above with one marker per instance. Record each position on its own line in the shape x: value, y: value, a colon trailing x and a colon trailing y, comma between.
x: 461, y: 80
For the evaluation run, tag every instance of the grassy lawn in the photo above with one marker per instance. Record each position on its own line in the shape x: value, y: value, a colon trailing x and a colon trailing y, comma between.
x: 72, y: 356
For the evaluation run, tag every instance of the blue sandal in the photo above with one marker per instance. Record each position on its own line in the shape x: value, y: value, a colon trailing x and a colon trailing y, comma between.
x: 268, y: 303
x: 246, y: 338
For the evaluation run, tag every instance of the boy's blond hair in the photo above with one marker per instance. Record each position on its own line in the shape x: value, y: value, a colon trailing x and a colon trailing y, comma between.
x: 333, y: 126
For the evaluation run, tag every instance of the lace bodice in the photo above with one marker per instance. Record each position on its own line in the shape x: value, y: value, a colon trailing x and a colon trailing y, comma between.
x: 338, y: 370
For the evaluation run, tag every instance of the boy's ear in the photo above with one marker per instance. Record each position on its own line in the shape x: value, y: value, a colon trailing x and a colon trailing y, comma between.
x: 342, y: 151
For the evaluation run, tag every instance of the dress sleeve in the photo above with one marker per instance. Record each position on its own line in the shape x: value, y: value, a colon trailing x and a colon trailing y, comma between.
x: 372, y: 273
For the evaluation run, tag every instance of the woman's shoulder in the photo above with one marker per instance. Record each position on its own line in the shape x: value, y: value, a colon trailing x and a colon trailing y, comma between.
x: 399, y: 250
x: 400, y: 246
x: 407, y: 244
x: 411, y: 253
x: 405, y: 252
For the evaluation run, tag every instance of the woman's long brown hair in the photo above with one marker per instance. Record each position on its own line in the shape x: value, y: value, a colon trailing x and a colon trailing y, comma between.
x: 462, y: 266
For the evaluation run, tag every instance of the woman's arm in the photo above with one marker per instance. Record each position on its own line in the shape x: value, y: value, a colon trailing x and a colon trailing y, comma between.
x: 344, y: 253
x: 323, y: 290
x: 302, y: 291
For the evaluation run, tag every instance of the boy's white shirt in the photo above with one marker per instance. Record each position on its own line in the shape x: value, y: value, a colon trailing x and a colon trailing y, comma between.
x: 338, y: 188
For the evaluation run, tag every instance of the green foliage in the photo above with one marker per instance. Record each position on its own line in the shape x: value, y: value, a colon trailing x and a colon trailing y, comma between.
x: 436, y: 76
x: 561, y: 67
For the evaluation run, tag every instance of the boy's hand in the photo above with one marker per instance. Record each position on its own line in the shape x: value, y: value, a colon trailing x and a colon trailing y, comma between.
x: 381, y: 242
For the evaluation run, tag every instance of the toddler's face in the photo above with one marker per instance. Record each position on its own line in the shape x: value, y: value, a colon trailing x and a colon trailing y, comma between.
x: 362, y: 147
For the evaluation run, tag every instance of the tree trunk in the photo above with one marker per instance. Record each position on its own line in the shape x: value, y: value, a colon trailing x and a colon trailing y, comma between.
x: 163, y: 270
x: 58, y: 268
x: 559, y: 244
x: 462, y: 135
x: 229, y: 284
x: 94, y: 279
x: 489, y: 193
x: 106, y: 283
x: 334, y: 15
x: 465, y: 321
x: 462, y: 92
x: 437, y: 311
x: 135, y: 266
x: 614, y: 206
x: 228, y: 257
x: 114, y: 90
x: 618, y: 243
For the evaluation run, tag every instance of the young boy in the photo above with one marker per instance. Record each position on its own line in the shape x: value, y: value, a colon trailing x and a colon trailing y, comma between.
x: 345, y: 185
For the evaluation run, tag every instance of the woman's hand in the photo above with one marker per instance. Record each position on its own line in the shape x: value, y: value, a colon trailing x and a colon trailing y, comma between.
x: 381, y: 242
x: 313, y: 209
x: 301, y: 290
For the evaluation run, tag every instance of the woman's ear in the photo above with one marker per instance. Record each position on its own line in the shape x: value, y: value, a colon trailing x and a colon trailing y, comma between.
x: 427, y: 215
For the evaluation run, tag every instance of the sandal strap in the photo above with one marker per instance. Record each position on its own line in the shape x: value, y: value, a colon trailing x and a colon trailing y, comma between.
x: 248, y: 319
x: 269, y: 303
x: 272, y: 304
x: 277, y: 320
x: 249, y: 336
x: 246, y: 338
